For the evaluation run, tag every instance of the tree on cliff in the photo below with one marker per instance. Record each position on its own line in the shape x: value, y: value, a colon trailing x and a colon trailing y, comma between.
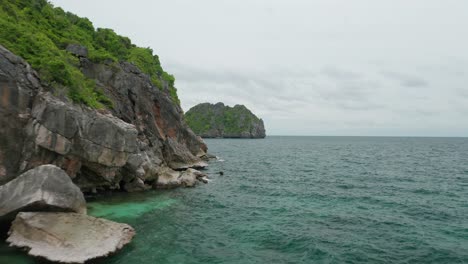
x: 40, y: 33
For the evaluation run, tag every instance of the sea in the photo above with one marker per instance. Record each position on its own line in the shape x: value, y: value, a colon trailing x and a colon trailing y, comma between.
x: 303, y: 200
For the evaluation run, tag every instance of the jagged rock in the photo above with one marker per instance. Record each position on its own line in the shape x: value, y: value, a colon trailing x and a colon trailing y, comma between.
x: 136, y: 185
x: 68, y: 237
x: 169, y: 178
x: 189, y: 177
x: 45, y: 188
x: 208, y: 157
x: 180, y: 166
x: 77, y: 50
x: 220, y: 121
x: 203, y: 179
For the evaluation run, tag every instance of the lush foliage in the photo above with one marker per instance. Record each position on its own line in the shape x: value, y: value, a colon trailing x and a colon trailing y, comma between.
x: 38, y: 32
x: 206, y: 117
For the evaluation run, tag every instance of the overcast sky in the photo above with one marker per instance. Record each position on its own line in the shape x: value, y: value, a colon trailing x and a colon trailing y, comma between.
x: 310, y: 67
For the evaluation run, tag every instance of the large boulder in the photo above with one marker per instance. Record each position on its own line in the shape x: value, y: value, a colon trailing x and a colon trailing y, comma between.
x: 68, y: 237
x: 168, y: 178
x: 45, y: 188
x: 179, y: 158
x: 190, y: 177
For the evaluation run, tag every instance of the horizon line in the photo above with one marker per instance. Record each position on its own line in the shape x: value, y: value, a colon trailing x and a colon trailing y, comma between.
x: 367, y: 136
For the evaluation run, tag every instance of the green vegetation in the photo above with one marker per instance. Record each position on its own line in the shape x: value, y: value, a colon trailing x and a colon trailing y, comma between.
x: 206, y: 119
x: 40, y: 33
x: 200, y: 119
x: 238, y: 119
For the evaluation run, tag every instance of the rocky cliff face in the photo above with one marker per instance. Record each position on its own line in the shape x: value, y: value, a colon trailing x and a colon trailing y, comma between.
x: 220, y: 121
x: 126, y: 147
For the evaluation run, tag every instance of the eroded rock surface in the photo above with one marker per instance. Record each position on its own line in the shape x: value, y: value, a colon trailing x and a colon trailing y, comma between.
x: 18, y: 87
x: 44, y: 188
x: 126, y: 146
x: 169, y: 178
x: 68, y: 237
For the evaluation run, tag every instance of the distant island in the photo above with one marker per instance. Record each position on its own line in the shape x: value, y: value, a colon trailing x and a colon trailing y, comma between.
x: 222, y: 121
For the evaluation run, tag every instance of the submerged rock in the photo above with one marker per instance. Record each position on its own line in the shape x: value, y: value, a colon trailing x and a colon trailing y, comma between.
x: 45, y: 188
x: 68, y: 237
x: 184, y: 166
x: 208, y: 157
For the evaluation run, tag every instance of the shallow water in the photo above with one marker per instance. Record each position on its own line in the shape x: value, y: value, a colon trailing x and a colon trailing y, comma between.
x: 305, y: 200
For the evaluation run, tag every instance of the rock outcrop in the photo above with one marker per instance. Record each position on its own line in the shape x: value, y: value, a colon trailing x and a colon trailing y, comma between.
x: 189, y: 178
x: 45, y: 188
x: 220, y: 121
x: 77, y: 50
x: 126, y: 146
x: 68, y: 237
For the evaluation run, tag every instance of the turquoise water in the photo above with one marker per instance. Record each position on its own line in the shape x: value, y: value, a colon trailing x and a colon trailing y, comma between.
x: 305, y: 200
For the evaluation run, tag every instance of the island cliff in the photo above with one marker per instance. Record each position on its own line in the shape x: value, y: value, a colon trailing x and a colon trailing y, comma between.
x: 220, y: 121
x: 88, y: 101
x: 82, y: 110
x: 126, y: 147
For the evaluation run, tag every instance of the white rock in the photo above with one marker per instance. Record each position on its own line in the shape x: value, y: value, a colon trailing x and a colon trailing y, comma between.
x: 68, y: 237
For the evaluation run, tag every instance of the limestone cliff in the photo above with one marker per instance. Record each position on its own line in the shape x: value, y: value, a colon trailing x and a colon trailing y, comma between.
x: 220, y: 121
x: 126, y: 146
x: 81, y: 110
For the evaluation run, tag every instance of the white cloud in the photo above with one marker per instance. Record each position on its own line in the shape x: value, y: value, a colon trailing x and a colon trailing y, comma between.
x: 323, y: 67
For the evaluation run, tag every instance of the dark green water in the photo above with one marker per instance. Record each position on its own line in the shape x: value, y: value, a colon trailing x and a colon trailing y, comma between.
x: 305, y: 200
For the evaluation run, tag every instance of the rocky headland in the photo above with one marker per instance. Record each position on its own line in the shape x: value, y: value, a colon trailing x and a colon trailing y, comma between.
x: 221, y: 121
x: 80, y: 119
x: 140, y: 143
